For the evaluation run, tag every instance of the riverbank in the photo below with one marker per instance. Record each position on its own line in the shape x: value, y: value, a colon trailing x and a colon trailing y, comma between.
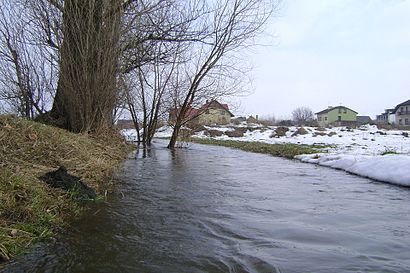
x: 282, y: 150
x: 30, y: 210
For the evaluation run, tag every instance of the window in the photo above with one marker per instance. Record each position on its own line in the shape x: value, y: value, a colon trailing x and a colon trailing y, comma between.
x: 340, y: 110
x: 319, y: 118
x: 400, y: 121
x: 339, y: 118
x: 222, y: 112
x: 344, y: 110
x: 406, y: 121
x: 325, y: 118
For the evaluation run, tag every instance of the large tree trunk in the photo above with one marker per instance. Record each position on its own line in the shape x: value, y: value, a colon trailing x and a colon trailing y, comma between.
x: 86, y: 90
x: 174, y: 137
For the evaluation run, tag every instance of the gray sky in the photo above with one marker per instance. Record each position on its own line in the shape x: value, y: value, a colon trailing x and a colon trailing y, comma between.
x: 333, y: 52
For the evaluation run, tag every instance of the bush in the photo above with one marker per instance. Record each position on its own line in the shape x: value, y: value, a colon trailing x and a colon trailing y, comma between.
x: 315, y: 134
x: 215, y: 133
x: 238, y: 132
x: 279, y: 132
x: 300, y: 131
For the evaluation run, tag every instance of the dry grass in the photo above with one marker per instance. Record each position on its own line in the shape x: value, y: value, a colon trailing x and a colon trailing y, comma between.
x: 29, y: 209
x: 281, y: 150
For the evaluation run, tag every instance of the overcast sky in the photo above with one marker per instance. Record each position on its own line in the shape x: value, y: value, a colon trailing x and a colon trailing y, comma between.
x: 333, y: 52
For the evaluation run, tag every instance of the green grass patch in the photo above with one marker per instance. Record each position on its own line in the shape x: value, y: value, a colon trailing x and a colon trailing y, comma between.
x: 282, y: 150
x: 389, y: 151
x: 30, y: 210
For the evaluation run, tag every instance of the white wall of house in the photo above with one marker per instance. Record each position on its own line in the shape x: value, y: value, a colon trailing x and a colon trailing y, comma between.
x: 392, y: 118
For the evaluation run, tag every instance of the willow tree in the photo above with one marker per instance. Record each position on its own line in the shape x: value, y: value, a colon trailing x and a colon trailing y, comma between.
x: 89, y: 54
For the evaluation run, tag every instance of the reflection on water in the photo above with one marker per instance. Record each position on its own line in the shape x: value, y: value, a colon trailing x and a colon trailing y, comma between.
x: 212, y: 209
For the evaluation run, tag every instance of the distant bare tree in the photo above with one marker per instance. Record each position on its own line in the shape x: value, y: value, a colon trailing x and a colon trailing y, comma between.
x: 303, y: 115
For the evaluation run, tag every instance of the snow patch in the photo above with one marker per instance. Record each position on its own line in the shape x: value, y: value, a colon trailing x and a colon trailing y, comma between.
x: 392, y: 168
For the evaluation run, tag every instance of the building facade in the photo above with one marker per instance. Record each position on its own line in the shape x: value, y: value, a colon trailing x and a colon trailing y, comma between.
x: 387, y: 117
x: 338, y: 116
x: 214, y: 112
x: 402, y: 113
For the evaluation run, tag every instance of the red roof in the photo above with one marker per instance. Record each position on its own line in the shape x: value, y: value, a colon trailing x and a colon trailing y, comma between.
x: 215, y: 103
x: 194, y: 112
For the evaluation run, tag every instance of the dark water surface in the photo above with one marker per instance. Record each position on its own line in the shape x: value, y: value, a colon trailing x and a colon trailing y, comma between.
x: 213, y: 209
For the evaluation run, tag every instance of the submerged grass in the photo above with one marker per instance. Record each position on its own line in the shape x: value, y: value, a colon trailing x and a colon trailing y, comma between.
x: 282, y: 150
x: 29, y: 209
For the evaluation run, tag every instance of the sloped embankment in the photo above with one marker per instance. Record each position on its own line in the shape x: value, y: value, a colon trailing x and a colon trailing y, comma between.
x: 31, y: 210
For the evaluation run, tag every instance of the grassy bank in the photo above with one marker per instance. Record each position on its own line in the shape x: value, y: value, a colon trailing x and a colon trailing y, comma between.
x: 282, y: 150
x: 29, y: 209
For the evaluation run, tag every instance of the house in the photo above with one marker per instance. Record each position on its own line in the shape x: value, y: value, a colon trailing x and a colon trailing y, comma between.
x: 190, y: 115
x: 125, y: 124
x: 361, y: 120
x: 212, y: 112
x: 402, y: 113
x: 339, y: 116
x: 387, y: 117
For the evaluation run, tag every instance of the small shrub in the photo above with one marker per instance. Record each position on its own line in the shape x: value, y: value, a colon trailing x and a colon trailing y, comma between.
x: 300, y: 131
x: 405, y: 134
x: 332, y: 134
x: 315, y: 134
x: 280, y: 132
x: 215, y: 133
x: 389, y: 151
x: 238, y: 132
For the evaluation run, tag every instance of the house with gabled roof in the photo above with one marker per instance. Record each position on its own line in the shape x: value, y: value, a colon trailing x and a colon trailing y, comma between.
x: 402, y: 113
x: 338, y: 116
x: 212, y: 112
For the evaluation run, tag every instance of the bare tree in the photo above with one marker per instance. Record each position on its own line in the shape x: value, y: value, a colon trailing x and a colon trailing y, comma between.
x: 231, y: 25
x: 303, y: 115
x: 154, y: 50
x: 26, y: 77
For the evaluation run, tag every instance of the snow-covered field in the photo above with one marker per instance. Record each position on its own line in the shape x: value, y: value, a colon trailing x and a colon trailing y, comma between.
x: 367, y: 151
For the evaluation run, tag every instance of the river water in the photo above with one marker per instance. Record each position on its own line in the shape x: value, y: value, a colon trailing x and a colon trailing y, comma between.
x: 213, y: 209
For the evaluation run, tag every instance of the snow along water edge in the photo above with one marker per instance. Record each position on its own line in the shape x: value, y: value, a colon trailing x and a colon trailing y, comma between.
x: 390, y: 168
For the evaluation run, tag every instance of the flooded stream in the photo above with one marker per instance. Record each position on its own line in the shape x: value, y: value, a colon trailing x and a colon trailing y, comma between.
x: 214, y: 209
